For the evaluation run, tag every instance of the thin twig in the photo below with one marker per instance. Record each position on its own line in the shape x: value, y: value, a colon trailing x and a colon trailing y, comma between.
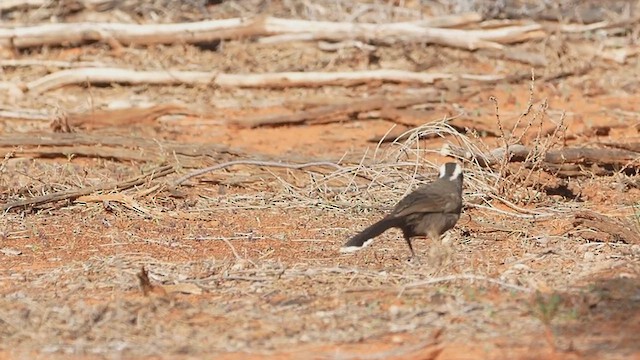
x: 233, y: 250
x: 256, y: 163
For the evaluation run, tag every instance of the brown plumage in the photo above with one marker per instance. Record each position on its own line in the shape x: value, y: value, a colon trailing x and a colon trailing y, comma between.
x: 430, y: 210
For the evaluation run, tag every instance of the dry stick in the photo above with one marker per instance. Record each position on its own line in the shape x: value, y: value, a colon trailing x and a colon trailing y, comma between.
x: 233, y: 250
x: 121, y: 154
x: 505, y: 140
x: 49, y: 63
x: 72, y: 194
x: 124, y: 117
x: 256, y: 163
x: 528, y: 214
x: 534, y: 159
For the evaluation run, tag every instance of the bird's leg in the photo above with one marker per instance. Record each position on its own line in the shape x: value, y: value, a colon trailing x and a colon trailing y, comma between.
x: 413, y: 257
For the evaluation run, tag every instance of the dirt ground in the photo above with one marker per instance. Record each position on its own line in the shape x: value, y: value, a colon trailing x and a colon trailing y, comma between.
x: 243, y: 262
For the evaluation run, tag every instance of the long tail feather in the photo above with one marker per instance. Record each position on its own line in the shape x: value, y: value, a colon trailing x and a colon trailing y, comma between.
x: 365, y: 237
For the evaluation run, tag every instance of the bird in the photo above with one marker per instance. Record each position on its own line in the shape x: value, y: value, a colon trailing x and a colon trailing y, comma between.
x: 430, y: 210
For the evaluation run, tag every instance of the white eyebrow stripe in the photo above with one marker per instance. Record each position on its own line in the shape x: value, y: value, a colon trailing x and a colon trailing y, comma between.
x: 443, y: 170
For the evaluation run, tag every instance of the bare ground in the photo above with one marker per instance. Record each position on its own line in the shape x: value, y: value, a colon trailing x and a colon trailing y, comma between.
x: 244, y: 261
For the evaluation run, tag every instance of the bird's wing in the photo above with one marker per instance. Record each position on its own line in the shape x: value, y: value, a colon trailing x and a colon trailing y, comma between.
x: 428, y: 201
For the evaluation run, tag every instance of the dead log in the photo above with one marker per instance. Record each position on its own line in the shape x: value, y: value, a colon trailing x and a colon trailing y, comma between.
x: 517, y: 153
x: 213, y: 30
x: 270, y: 80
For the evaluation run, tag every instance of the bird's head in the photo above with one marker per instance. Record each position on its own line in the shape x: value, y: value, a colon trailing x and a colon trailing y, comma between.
x: 452, y: 172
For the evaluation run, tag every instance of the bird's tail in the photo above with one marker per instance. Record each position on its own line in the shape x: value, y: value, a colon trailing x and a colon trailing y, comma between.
x: 365, y: 237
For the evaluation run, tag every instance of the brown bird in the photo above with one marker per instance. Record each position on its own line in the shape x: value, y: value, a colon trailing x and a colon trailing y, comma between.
x: 430, y: 210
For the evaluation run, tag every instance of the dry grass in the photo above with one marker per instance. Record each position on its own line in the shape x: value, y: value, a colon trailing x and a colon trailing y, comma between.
x: 517, y: 274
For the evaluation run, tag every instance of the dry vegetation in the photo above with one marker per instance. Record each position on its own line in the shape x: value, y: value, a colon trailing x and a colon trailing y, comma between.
x: 179, y: 217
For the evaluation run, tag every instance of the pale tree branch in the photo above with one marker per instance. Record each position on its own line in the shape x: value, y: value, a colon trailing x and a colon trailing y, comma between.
x: 268, y: 80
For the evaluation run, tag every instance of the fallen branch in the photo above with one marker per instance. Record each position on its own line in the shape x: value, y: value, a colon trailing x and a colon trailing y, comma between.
x: 406, y: 32
x: 446, y: 21
x: 273, y: 80
x: 123, y: 148
x: 101, y: 118
x: 610, y: 229
x: 567, y: 155
x: 122, y: 117
x: 73, y: 194
x: 214, y: 30
x: 324, y: 114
